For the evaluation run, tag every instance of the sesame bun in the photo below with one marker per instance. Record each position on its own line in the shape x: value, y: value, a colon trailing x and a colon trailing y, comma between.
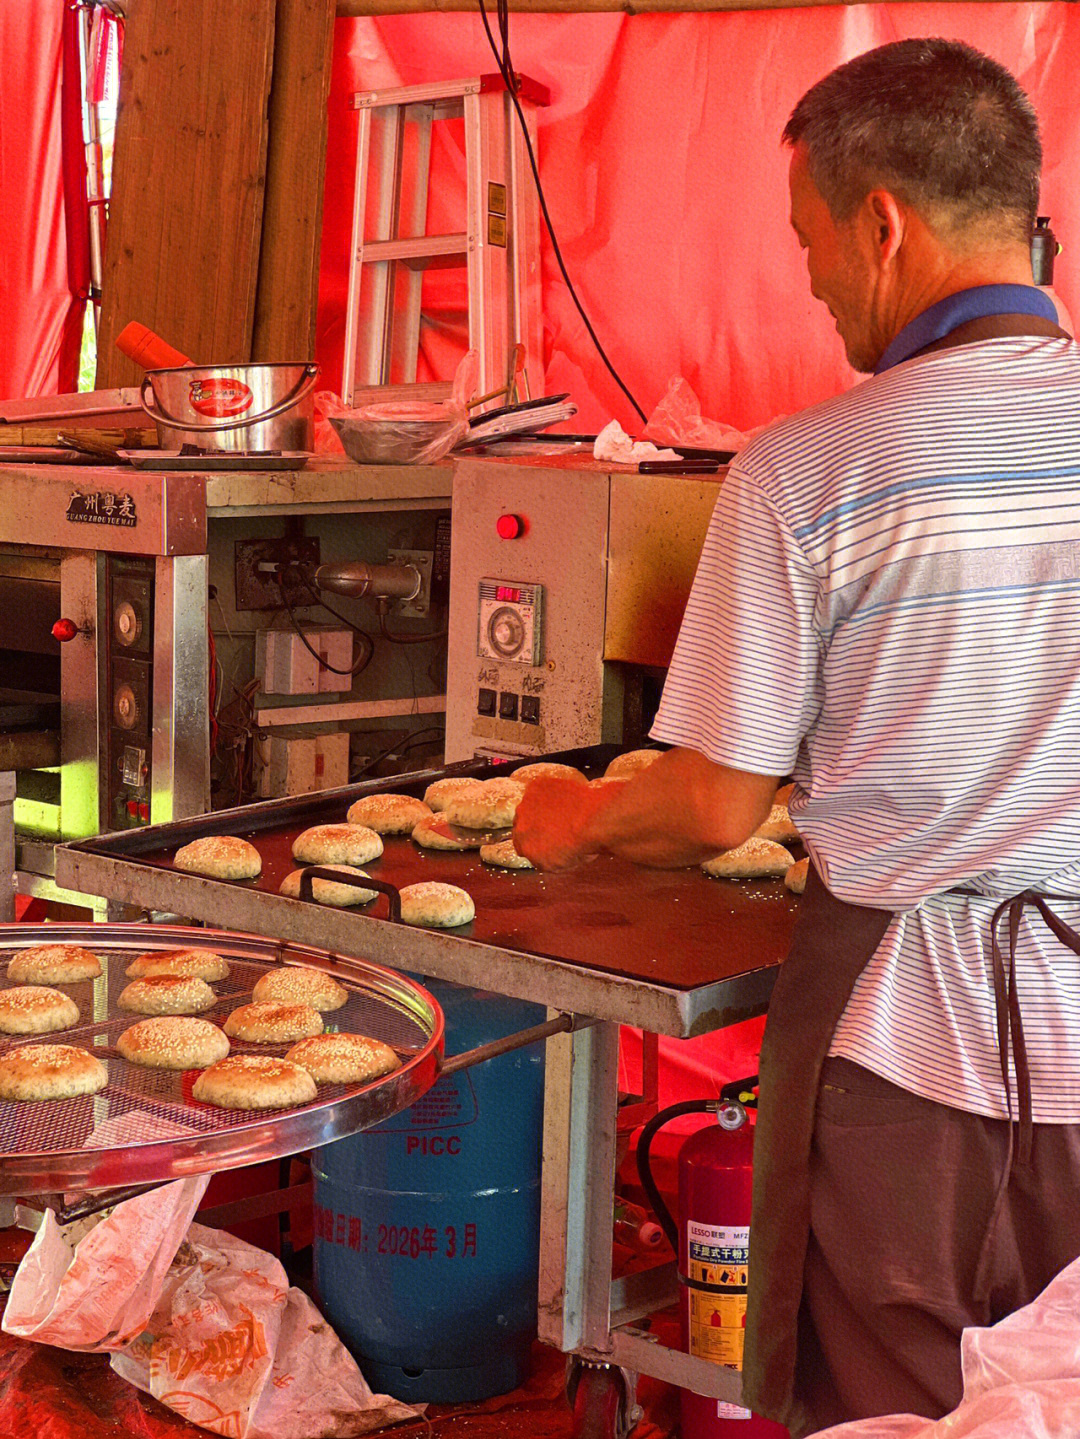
x: 629, y: 763
x: 545, y: 769
x: 167, y: 994
x: 344, y: 1058
x: 493, y: 806
x: 325, y: 891
x: 173, y: 1042
x: 388, y: 813
x: 53, y: 964
x: 778, y: 826
x: 33, y: 1009
x: 296, y: 984
x: 442, y: 906
x: 505, y: 784
x: 427, y: 836
x: 50, y: 1071
x: 221, y: 856
x: 187, y: 963
x: 796, y: 877
x: 504, y: 856
x: 337, y: 844
x: 440, y: 790
x: 249, y: 1081
x: 756, y: 859
x: 273, y: 1023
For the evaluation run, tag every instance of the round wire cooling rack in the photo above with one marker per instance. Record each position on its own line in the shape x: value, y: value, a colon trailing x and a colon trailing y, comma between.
x: 144, y: 1127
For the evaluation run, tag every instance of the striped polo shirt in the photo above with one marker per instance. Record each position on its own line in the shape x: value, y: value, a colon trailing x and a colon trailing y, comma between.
x: 887, y: 608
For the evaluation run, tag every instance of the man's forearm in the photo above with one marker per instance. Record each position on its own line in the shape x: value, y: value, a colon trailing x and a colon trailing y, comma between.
x: 681, y: 810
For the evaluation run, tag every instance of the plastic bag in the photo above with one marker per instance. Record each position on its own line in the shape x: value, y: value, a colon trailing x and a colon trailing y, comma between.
x: 404, y: 432
x: 1021, y: 1377
x: 99, y: 1296
x: 677, y: 420
x: 208, y: 1324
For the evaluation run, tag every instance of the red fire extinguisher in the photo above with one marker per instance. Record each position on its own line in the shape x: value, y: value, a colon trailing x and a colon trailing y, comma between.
x: 712, y: 1241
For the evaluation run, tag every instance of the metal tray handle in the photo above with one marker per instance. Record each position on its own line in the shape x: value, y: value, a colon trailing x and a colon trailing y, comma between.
x: 393, y: 894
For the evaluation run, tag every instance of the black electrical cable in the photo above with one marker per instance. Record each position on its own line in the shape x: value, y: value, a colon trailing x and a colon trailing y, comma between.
x: 427, y: 729
x: 394, y: 639
x: 367, y: 648
x: 506, y: 70
x: 318, y: 599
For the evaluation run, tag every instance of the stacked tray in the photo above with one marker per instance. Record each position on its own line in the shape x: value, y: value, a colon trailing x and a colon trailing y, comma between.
x: 144, y: 1127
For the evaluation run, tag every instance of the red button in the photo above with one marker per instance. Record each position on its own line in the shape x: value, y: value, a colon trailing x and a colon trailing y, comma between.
x: 510, y: 527
x: 133, y: 808
x: 144, y: 813
x: 64, y: 630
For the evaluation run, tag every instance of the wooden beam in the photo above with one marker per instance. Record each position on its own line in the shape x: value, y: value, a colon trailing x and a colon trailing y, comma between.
x: 288, y: 282
x: 185, y: 217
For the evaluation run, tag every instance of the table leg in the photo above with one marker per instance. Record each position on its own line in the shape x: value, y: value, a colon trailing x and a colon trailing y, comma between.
x: 580, y: 1103
x: 7, y: 846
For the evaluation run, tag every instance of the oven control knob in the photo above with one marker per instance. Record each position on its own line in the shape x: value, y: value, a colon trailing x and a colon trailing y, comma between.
x: 65, y: 630
x: 125, y: 707
x: 127, y: 622
x: 506, y: 632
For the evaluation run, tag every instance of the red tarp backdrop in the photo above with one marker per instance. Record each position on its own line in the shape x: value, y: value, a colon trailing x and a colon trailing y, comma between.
x: 664, y: 174
x: 40, y: 318
x: 665, y: 178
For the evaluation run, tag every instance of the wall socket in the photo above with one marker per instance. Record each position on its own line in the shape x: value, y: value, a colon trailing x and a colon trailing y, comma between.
x: 422, y: 559
x: 255, y: 591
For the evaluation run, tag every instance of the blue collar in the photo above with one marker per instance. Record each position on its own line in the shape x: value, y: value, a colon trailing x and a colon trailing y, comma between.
x: 955, y: 310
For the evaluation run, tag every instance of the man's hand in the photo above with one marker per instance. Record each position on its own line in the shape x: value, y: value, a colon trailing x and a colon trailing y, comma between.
x: 551, y: 820
x: 679, y: 811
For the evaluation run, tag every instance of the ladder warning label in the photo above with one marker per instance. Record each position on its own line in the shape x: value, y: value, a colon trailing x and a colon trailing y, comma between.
x: 718, y: 1256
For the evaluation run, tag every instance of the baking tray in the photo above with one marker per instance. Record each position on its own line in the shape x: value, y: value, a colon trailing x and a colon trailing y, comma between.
x: 669, y: 950
x: 223, y: 460
x: 144, y: 1127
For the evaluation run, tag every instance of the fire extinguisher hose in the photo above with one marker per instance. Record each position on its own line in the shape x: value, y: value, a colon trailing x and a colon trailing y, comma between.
x: 648, y: 1133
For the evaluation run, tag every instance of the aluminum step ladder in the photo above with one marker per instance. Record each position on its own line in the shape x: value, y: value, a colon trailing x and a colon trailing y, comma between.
x: 498, y: 246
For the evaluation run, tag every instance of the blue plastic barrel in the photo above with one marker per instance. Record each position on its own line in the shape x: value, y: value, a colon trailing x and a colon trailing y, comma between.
x: 427, y: 1227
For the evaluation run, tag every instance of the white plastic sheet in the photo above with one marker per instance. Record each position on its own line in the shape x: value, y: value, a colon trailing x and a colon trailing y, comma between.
x: 1021, y: 1378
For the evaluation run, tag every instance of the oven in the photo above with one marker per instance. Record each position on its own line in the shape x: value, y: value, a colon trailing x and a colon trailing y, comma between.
x: 103, y: 678
x: 567, y: 588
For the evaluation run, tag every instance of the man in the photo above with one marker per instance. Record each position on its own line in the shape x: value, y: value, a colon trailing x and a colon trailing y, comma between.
x: 888, y: 609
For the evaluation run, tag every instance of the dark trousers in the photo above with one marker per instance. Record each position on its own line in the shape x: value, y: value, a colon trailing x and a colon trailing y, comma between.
x: 901, y: 1194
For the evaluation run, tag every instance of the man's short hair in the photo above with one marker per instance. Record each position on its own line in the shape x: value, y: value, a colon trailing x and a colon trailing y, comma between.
x: 944, y: 128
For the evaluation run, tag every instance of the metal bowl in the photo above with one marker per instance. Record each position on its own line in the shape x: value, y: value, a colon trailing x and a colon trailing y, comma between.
x: 396, y: 442
x: 233, y: 407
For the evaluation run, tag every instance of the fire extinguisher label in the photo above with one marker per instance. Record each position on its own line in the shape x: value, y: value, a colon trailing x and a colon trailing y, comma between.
x: 718, y: 1257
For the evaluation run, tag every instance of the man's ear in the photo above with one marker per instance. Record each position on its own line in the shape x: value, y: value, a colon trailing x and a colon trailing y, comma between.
x: 884, y: 220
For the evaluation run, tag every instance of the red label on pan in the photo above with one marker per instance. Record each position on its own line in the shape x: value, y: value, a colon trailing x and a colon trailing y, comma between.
x: 219, y: 397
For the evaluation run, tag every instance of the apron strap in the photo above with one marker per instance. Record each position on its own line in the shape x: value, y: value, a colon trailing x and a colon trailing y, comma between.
x: 1010, y: 1037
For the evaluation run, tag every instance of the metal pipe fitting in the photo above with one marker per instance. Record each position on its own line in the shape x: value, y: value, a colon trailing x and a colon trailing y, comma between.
x: 355, y: 578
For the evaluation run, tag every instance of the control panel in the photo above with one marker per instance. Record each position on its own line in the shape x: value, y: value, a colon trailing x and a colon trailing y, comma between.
x: 510, y: 622
x: 130, y: 688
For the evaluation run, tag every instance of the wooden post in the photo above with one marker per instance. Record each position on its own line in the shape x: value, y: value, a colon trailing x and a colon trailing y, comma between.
x: 185, y: 219
x: 288, y: 282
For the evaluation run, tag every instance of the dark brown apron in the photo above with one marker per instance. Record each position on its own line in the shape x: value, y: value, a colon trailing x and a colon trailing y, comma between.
x: 832, y: 944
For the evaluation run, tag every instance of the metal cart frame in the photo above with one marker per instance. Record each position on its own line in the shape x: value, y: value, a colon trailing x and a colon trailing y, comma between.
x: 583, y: 1312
